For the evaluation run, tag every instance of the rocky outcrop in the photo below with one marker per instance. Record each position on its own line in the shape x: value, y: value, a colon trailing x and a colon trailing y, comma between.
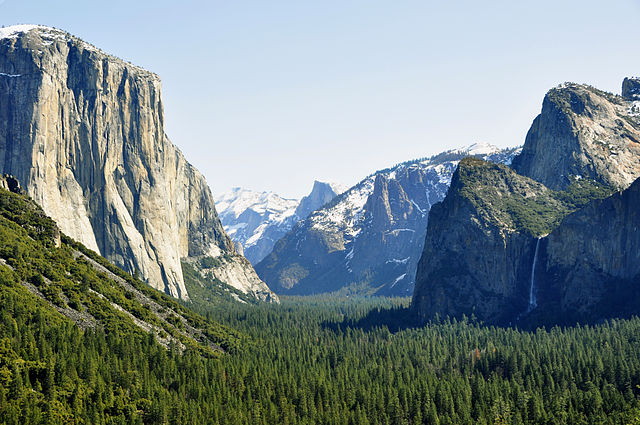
x: 583, y: 132
x: 369, y: 239
x: 10, y: 183
x: 234, y: 271
x: 320, y: 194
x: 557, y: 243
x: 589, y: 267
x: 631, y: 89
x: 257, y: 220
x: 480, y: 244
x: 84, y: 134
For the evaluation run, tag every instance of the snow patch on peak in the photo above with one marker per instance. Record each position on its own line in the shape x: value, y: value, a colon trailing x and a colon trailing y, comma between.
x: 346, y: 212
x: 48, y: 34
x: 239, y: 200
x: 257, y: 220
x: 14, y: 30
x: 481, y: 148
x: 338, y: 188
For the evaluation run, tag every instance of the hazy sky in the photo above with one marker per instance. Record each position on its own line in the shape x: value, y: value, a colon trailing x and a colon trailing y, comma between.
x: 271, y: 95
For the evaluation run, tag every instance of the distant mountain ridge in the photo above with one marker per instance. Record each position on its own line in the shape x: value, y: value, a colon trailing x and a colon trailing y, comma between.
x: 257, y: 220
x: 368, y: 240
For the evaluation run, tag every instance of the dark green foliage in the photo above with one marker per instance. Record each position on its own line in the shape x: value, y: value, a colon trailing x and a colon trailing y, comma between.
x: 582, y: 191
x: 319, y: 361
x: 222, y: 336
x: 209, y: 262
x: 206, y: 291
x: 508, y: 199
x: 331, y: 360
x: 28, y: 240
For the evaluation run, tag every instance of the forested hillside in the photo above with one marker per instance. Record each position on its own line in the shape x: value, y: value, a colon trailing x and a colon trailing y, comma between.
x: 79, y: 338
x: 321, y: 361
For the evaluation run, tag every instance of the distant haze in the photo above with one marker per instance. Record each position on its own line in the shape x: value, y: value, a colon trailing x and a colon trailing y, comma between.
x: 270, y: 95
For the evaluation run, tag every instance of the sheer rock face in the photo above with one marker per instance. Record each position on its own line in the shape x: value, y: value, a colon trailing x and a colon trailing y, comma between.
x: 477, y: 256
x: 589, y: 267
x: 320, y: 194
x: 480, y: 249
x: 631, y: 89
x: 584, y: 132
x: 84, y: 134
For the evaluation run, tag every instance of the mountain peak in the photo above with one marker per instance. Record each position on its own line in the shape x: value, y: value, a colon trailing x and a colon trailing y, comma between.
x: 320, y: 194
x: 257, y: 220
x: 479, y: 148
x: 631, y: 88
x: 583, y: 132
x: 368, y: 239
x: 13, y: 31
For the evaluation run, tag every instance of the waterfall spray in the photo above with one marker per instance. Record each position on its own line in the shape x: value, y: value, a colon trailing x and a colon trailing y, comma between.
x: 533, y: 303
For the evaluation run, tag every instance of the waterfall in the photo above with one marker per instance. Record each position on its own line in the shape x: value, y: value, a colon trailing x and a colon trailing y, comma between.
x: 532, y: 290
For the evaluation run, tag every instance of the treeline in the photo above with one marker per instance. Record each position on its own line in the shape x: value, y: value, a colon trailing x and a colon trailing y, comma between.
x: 317, y: 361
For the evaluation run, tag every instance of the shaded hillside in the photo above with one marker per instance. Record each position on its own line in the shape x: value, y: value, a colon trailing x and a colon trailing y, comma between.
x: 588, y: 269
x: 65, y: 278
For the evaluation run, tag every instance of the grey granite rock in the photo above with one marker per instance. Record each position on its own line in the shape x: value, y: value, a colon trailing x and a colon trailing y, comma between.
x: 83, y: 132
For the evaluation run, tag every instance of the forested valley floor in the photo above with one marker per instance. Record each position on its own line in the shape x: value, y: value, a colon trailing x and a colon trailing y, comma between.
x: 319, y: 361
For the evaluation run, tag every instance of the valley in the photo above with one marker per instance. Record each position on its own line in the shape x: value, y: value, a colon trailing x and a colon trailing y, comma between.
x: 478, y: 285
x: 323, y: 360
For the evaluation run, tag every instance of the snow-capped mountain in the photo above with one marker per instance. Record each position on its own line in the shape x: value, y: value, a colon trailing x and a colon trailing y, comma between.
x: 369, y: 239
x: 257, y: 220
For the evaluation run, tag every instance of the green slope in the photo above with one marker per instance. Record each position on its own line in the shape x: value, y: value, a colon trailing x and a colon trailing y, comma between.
x: 82, y: 341
x: 509, y: 200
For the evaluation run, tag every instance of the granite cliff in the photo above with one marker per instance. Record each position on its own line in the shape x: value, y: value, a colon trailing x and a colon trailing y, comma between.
x: 83, y: 132
x: 551, y: 240
x: 589, y: 267
x: 481, y: 240
x: 583, y: 132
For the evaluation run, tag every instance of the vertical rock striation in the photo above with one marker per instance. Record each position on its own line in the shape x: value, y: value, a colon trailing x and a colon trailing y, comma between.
x: 84, y: 133
x: 589, y: 267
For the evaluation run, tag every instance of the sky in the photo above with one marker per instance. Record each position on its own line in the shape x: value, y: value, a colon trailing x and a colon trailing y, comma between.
x: 272, y: 95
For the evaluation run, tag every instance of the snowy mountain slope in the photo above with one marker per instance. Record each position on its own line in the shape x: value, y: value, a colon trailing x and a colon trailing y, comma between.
x: 257, y: 220
x: 369, y: 239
